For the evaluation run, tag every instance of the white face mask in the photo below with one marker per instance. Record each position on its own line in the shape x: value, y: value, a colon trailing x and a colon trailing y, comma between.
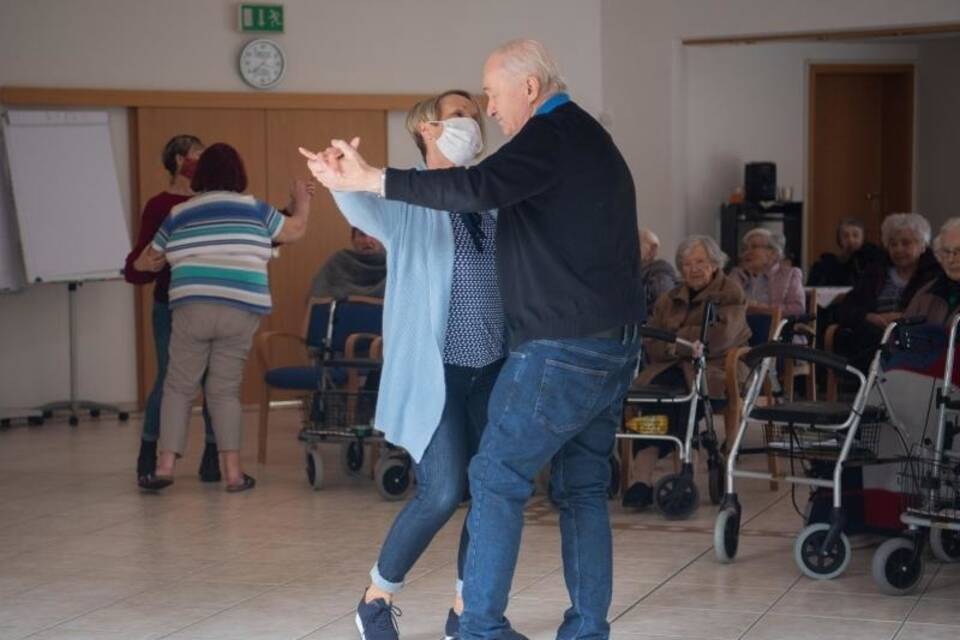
x: 460, y: 141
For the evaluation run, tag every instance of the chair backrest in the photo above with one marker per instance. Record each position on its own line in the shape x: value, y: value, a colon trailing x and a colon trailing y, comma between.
x: 356, y: 314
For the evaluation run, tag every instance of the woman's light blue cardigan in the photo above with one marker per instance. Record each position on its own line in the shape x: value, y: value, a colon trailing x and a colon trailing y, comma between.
x: 419, y: 244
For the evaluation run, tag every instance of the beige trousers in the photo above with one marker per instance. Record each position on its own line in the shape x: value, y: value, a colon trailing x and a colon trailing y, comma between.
x: 215, y: 338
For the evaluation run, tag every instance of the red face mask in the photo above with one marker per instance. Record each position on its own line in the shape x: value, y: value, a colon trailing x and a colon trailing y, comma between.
x: 188, y: 167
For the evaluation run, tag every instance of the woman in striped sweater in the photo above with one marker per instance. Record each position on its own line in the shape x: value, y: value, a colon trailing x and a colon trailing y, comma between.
x: 218, y: 245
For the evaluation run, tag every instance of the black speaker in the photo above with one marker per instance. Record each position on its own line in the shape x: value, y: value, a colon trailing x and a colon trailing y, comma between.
x: 760, y: 182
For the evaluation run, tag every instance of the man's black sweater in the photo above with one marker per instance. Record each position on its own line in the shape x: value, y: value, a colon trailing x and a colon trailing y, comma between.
x: 567, y: 246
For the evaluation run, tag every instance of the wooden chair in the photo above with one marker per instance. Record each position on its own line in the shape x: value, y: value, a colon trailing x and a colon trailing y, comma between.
x: 792, y: 369
x: 734, y: 408
x: 328, y: 329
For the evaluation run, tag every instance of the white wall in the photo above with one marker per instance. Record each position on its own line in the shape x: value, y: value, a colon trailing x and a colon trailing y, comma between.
x: 644, y: 88
x: 334, y: 46
x: 749, y: 103
x: 938, y: 116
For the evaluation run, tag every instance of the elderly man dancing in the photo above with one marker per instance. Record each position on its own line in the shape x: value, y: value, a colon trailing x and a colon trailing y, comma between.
x: 568, y: 263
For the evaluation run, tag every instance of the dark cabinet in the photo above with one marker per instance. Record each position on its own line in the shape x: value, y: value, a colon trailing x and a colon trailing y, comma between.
x: 779, y: 217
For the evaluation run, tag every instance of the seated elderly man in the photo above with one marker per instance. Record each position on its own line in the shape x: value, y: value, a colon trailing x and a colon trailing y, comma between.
x: 657, y: 276
x: 358, y: 271
x: 938, y: 300
x: 886, y: 287
x: 843, y: 269
x: 766, y: 280
x: 680, y: 311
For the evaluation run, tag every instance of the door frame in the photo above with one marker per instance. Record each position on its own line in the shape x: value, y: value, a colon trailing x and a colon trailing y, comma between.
x: 816, y: 70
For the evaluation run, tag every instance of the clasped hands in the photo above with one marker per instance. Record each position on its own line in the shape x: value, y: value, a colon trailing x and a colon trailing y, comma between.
x: 340, y: 167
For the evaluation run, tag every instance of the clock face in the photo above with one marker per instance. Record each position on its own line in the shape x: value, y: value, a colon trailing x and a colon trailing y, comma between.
x: 262, y: 63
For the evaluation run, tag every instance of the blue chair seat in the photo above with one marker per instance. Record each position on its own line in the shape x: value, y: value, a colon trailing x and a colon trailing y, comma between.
x: 305, y: 378
x: 293, y: 378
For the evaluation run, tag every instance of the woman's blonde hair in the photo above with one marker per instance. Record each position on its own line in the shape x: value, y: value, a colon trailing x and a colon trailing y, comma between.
x: 429, y: 111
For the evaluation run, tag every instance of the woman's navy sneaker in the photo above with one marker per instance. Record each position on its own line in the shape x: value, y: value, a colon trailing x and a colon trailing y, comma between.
x: 377, y: 620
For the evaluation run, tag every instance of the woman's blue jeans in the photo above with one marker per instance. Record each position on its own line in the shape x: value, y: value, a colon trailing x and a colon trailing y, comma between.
x: 441, y: 476
x: 162, y: 328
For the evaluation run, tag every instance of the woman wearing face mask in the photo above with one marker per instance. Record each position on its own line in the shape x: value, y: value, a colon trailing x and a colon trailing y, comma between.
x: 180, y: 160
x: 444, y: 344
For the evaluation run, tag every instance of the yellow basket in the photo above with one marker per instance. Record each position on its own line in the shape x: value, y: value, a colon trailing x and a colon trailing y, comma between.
x: 651, y: 425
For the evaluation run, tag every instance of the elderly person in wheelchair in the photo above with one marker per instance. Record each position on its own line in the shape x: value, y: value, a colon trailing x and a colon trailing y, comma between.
x: 680, y: 311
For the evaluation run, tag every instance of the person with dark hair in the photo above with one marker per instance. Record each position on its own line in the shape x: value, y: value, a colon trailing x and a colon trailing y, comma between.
x: 360, y: 270
x: 856, y: 254
x: 218, y: 245
x: 180, y: 160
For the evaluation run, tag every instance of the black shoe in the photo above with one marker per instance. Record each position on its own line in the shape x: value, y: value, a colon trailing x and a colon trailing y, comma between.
x: 210, y: 464
x: 639, y: 496
x: 153, y: 483
x: 452, y: 629
x: 147, y: 460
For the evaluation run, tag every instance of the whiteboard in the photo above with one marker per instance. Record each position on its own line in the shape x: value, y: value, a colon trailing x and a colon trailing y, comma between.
x: 66, y: 195
x: 12, y: 277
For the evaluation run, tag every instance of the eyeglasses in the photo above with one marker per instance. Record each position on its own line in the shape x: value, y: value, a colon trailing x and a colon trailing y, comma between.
x: 949, y: 254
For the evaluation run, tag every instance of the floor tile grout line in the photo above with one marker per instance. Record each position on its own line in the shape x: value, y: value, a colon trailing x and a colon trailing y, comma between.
x: 770, y: 608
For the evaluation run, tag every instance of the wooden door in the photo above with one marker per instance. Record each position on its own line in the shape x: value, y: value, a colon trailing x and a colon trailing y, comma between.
x: 245, y: 130
x: 327, y: 232
x: 267, y: 140
x: 861, y: 148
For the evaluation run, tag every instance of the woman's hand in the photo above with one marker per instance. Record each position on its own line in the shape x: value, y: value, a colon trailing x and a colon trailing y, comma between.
x: 302, y: 190
x: 150, y: 260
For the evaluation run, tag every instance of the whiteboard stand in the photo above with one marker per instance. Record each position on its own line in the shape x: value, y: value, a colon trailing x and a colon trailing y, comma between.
x: 73, y: 405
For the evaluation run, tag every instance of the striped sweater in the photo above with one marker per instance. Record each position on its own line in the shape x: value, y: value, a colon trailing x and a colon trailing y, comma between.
x: 218, y: 245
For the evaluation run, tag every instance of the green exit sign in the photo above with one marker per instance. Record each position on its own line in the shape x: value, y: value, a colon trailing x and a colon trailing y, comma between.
x: 261, y: 17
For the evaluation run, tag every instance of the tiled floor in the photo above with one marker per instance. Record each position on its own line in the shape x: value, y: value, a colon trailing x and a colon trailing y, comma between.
x: 84, y: 555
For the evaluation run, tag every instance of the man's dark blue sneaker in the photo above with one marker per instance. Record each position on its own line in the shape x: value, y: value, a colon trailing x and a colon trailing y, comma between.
x: 452, y: 630
x: 377, y: 620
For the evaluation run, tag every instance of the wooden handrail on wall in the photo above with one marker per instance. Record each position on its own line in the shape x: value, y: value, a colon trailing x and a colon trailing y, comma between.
x: 52, y: 96
x: 839, y: 35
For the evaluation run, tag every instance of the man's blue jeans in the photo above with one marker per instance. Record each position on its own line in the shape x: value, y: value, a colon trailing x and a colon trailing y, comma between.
x: 162, y: 328
x: 559, y: 400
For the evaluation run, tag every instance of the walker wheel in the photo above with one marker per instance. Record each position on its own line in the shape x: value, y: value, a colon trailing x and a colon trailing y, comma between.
x: 726, y: 535
x: 352, y: 457
x: 716, y: 471
x: 676, y: 495
x: 945, y: 544
x: 123, y: 416
x: 897, y: 567
x: 821, y: 565
x: 314, y: 469
x: 393, y: 477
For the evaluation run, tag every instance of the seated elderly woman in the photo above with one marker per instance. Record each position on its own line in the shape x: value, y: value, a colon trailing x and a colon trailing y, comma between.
x: 886, y: 287
x: 656, y: 275
x: 938, y: 300
x: 766, y: 281
x: 680, y: 311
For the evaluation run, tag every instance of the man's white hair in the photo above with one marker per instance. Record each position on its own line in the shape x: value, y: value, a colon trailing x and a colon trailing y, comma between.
x: 525, y: 58
x: 649, y: 236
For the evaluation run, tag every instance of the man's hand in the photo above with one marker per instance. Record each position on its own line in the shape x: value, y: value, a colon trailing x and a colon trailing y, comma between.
x: 150, y: 260
x: 342, y: 168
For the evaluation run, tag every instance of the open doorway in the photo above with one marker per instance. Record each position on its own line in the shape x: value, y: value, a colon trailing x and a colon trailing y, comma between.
x: 860, y: 147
